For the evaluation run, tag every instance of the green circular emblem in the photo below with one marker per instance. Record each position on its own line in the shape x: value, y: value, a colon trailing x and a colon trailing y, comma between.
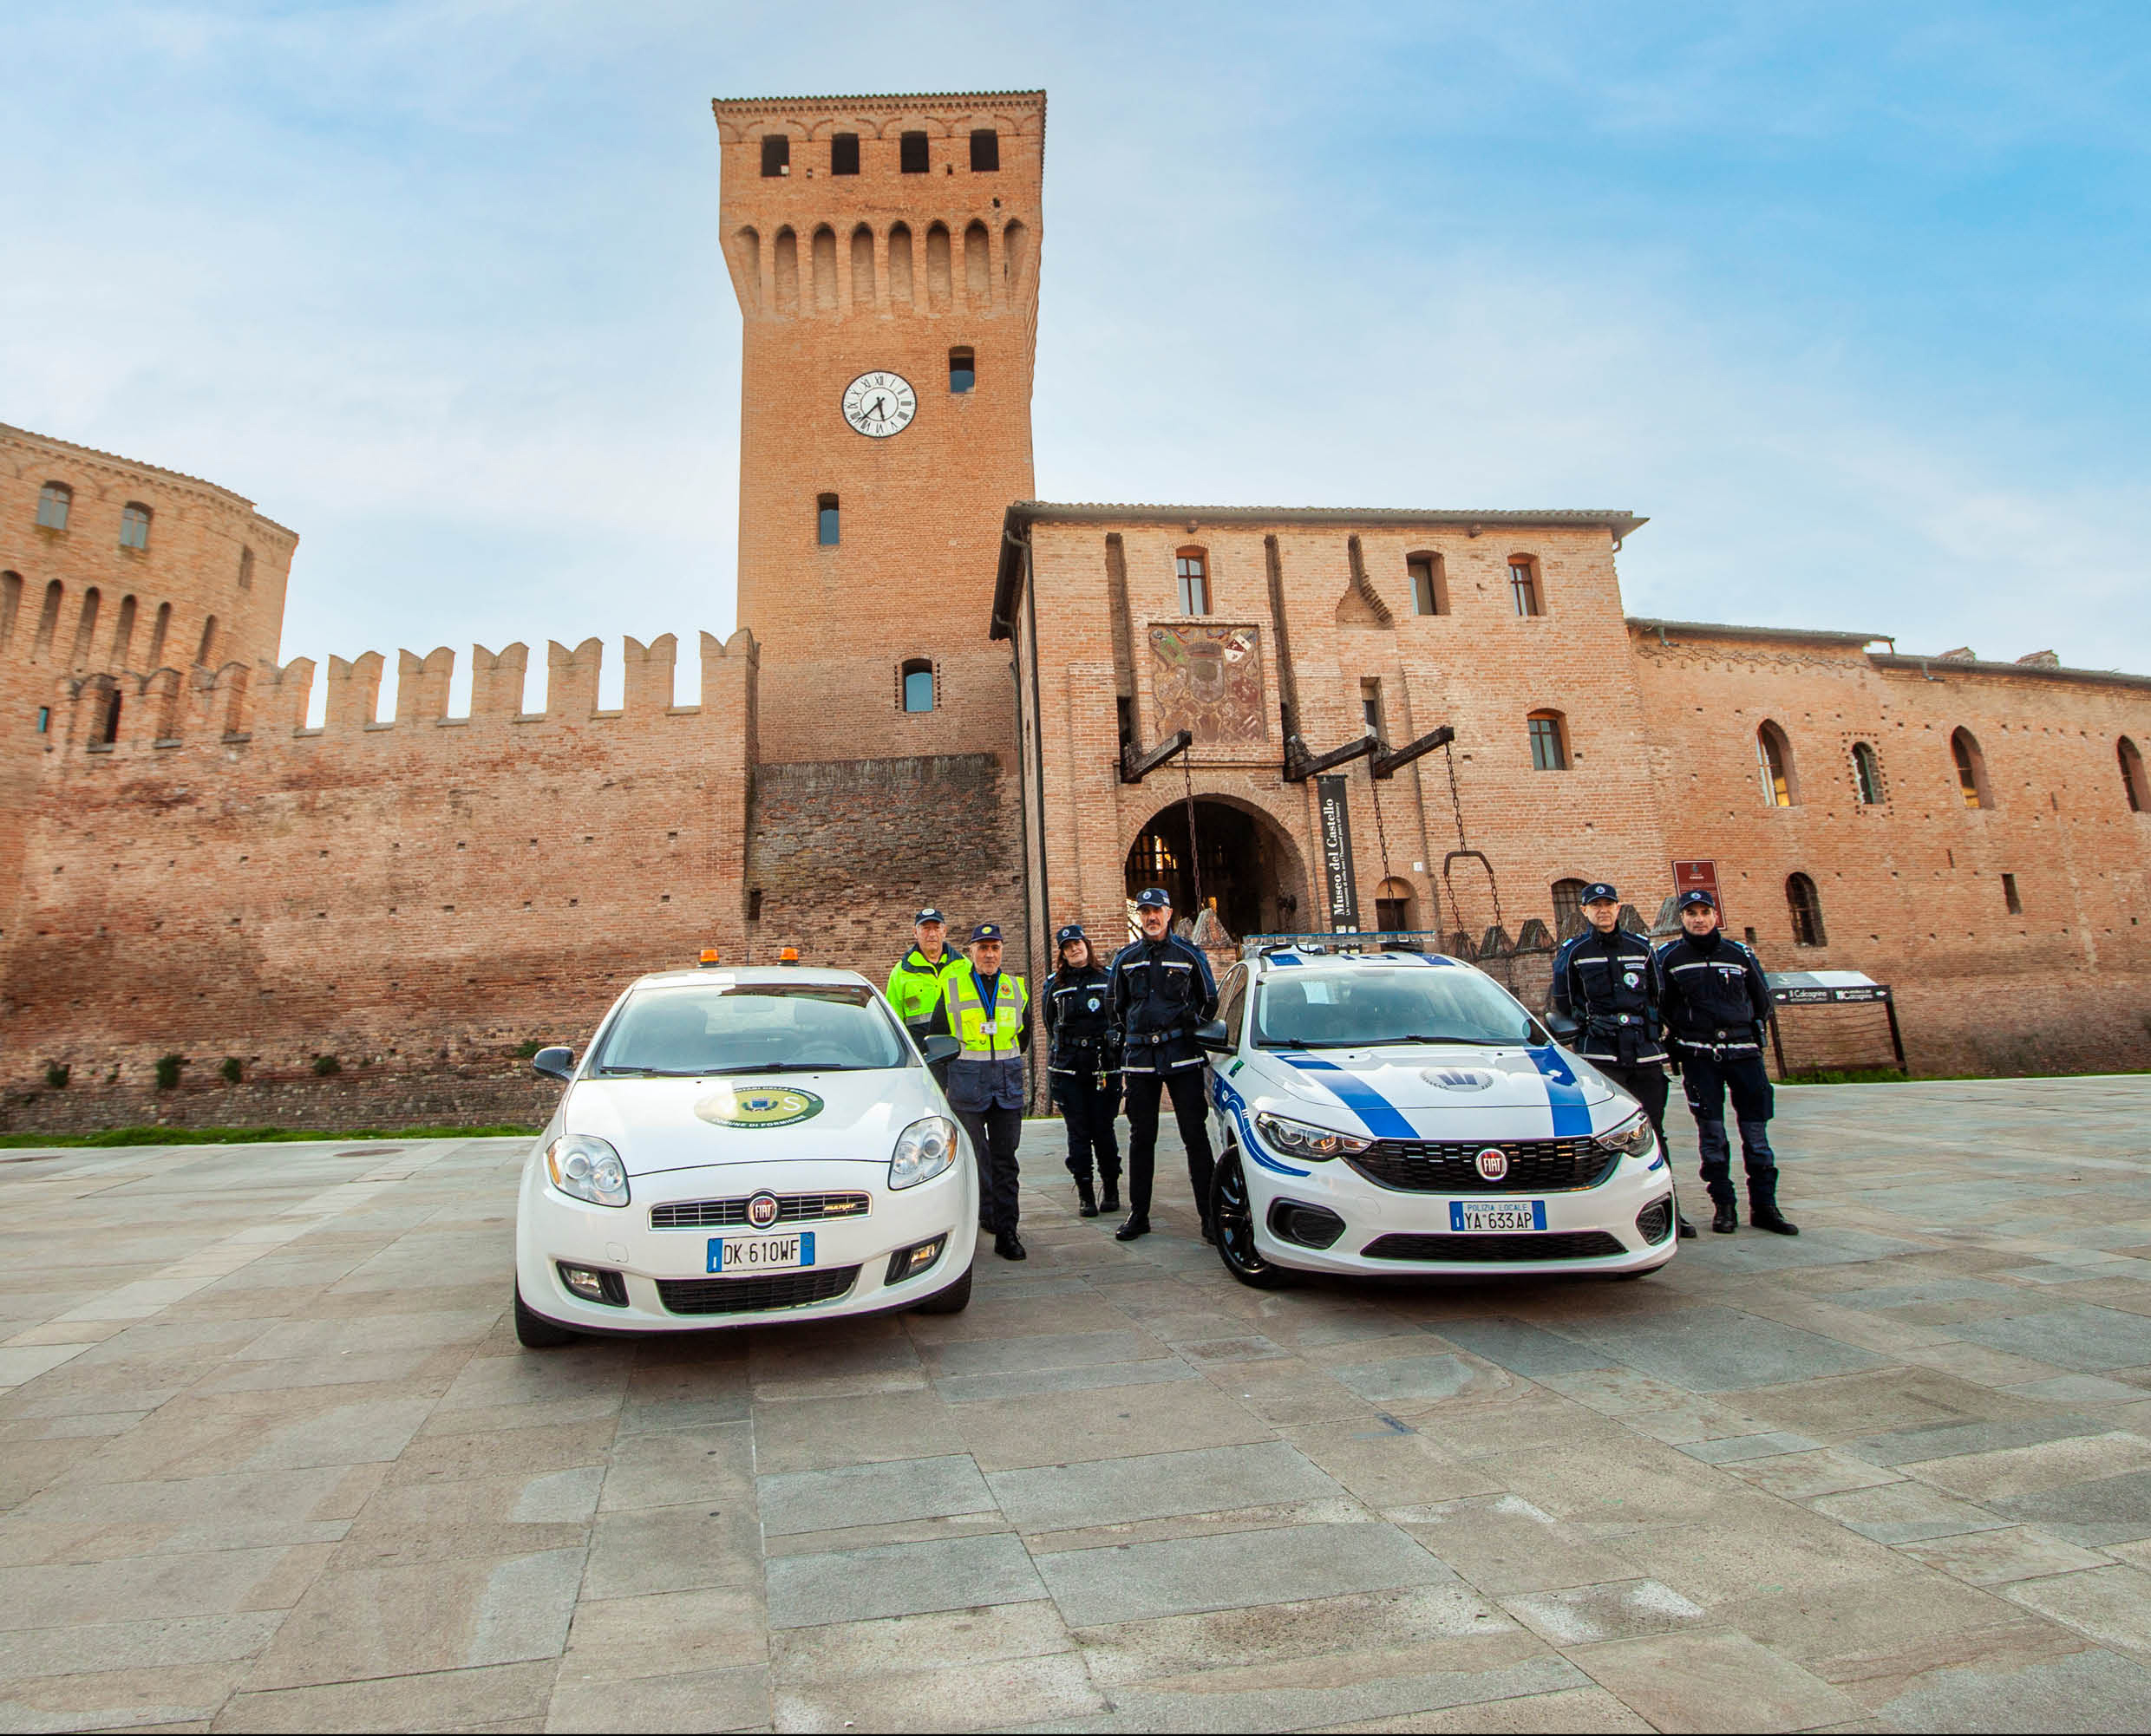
x: 759, y: 1105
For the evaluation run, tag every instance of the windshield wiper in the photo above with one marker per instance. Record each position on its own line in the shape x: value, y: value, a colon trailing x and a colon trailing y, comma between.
x: 646, y: 1073
x: 798, y: 1066
x: 1475, y: 1042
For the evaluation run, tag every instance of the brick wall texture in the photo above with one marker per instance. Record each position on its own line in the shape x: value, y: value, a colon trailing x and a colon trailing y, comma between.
x: 205, y: 876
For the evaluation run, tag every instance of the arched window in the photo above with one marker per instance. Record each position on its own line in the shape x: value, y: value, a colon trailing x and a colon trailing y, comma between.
x: 135, y: 525
x: 1429, y: 585
x: 1549, y: 742
x: 828, y: 524
x: 1191, y: 567
x: 208, y: 643
x: 1523, y: 585
x: 915, y: 684
x: 53, y: 501
x: 10, y: 606
x: 47, y: 620
x: 1806, y: 909
x: 962, y: 369
x: 1971, y: 769
x: 1394, y: 903
x: 1568, y: 908
x: 158, y: 634
x: 1773, y: 759
x: 1867, y: 775
x: 85, y: 627
x: 2132, y: 767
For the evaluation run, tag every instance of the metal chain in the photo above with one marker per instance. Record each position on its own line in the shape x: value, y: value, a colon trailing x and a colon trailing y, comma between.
x: 1194, y: 843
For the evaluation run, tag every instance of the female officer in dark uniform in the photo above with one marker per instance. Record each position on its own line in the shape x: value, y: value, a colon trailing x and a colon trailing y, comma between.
x: 1083, y: 1066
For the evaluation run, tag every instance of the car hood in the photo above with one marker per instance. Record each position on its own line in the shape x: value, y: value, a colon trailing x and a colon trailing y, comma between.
x: 1434, y: 1091
x: 670, y: 1123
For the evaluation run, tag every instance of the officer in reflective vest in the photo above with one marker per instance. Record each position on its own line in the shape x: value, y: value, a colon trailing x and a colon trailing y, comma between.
x: 988, y: 1013
x: 1715, y: 1005
x: 1607, y: 979
x: 917, y: 985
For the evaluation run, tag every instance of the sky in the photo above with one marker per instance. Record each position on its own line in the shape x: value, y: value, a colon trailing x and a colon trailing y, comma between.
x: 1850, y: 301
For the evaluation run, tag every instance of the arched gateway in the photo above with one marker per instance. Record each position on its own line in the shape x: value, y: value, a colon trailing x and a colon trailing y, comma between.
x: 1252, y: 874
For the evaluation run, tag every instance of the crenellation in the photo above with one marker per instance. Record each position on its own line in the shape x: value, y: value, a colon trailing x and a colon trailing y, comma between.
x: 571, y: 680
x: 422, y: 685
x: 497, y: 681
x: 354, y: 693
x: 648, y: 675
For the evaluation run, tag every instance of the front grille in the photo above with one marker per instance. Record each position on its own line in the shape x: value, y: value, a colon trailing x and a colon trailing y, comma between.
x: 1574, y: 1244
x: 1654, y: 1222
x: 792, y: 1208
x: 756, y: 1296
x: 1452, y: 1165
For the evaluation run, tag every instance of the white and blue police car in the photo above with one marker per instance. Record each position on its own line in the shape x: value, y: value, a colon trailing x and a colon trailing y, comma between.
x: 1401, y: 1113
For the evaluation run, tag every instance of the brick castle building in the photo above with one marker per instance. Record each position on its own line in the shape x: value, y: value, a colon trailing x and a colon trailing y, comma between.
x: 944, y: 690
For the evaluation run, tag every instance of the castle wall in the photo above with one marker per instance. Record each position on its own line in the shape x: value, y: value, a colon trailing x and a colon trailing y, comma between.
x: 415, y: 898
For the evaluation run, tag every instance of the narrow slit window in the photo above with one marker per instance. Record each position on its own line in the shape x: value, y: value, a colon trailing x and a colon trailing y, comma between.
x: 1971, y: 769
x: 963, y: 370
x: 776, y: 154
x: 2009, y: 896
x: 108, y: 724
x: 1191, y: 570
x: 10, y: 605
x: 913, y: 157
x: 1774, y: 759
x: 158, y: 634
x: 918, y: 684
x: 246, y: 569
x: 1371, y: 705
x: 1523, y: 587
x: 985, y: 150
x: 1549, y: 747
x: 53, y: 502
x: 844, y: 154
x: 1867, y: 775
x: 208, y: 643
x: 828, y: 526
x: 2132, y: 784
x: 135, y: 525
x: 1805, y: 908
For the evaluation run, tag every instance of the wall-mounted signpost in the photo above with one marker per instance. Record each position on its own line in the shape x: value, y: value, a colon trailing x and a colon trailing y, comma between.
x: 1337, y: 855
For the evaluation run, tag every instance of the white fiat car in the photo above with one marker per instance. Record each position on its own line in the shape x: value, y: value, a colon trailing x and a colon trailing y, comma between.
x: 1398, y: 1112
x: 739, y: 1146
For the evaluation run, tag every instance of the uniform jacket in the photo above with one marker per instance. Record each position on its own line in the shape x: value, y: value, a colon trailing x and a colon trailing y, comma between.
x: 915, y: 990
x: 1713, y: 995
x: 1081, y: 1034
x: 1161, y: 991
x: 1609, y: 984
x: 978, y: 1080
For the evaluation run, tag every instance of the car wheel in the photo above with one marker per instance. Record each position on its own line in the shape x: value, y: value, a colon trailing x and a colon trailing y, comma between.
x: 953, y: 1300
x: 1233, y: 1216
x: 534, y: 1332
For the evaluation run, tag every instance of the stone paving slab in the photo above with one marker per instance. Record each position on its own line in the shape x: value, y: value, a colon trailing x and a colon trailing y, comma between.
x: 270, y: 1458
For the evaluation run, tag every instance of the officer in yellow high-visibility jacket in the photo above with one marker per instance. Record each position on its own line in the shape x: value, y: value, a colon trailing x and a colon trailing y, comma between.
x: 989, y: 1011
x: 917, y: 986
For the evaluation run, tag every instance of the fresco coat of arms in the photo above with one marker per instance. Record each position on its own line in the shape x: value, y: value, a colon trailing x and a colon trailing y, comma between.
x: 1208, y: 680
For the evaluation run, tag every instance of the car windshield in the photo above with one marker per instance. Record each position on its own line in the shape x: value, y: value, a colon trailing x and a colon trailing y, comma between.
x: 1370, y: 1006
x: 702, y: 1028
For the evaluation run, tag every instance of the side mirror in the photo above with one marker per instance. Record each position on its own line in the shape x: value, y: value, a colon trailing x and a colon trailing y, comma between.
x: 554, y: 1063
x: 938, y: 1049
x: 1214, y: 1037
x: 1561, y: 1027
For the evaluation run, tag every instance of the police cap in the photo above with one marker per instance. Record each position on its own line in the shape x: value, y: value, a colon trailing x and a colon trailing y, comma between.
x: 1073, y: 931
x: 1155, y: 898
x: 1598, y: 891
x: 928, y: 914
x: 1697, y: 899
x: 986, y: 931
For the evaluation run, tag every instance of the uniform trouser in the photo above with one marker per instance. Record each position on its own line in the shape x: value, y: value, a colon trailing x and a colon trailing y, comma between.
x: 1087, y: 1112
x: 1649, y: 1086
x: 1190, y: 1109
x: 994, y: 1134
x: 1709, y: 1079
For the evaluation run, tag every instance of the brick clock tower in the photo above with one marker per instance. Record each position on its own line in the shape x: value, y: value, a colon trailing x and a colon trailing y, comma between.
x: 885, y: 253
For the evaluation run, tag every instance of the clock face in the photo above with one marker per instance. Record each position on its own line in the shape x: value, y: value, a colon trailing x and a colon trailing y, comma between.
x: 880, y: 404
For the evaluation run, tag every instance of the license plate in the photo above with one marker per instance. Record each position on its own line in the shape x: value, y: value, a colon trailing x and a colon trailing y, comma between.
x: 761, y: 1253
x: 1508, y: 1214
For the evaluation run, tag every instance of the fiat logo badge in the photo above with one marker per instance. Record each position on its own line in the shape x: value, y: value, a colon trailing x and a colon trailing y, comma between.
x: 761, y: 1209
x: 1493, y: 1162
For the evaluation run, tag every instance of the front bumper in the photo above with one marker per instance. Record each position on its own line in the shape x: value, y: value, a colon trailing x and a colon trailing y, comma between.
x: 1587, y: 1229
x: 552, y: 1229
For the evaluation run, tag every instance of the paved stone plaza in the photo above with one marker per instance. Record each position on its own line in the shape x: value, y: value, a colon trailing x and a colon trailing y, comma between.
x: 274, y: 1461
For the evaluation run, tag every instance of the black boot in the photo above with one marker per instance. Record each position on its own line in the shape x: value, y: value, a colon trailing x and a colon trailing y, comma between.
x: 1086, y: 1201
x: 1008, y: 1247
x: 1770, y: 1217
x: 1111, y: 1203
x: 1687, y: 1229
x: 1138, y: 1224
x: 1209, y: 1232
x: 1727, y: 1218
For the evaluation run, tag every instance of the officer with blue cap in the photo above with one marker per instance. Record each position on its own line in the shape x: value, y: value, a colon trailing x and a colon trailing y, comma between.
x: 1606, y: 980
x: 989, y: 1011
x: 1082, y: 1067
x: 1162, y: 991
x: 1716, y: 1004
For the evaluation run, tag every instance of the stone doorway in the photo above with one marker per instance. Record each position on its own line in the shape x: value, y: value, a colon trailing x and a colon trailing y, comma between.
x: 1251, y: 875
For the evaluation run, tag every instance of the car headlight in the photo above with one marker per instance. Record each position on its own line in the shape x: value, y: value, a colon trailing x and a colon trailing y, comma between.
x: 923, y: 1151
x: 1297, y: 1139
x: 1631, y: 1138
x: 587, y: 1168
